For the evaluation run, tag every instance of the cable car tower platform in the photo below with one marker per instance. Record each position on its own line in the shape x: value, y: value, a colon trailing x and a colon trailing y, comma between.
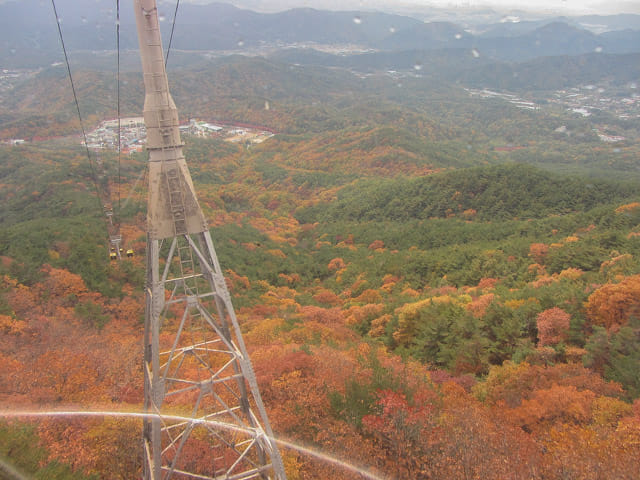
x: 207, y: 420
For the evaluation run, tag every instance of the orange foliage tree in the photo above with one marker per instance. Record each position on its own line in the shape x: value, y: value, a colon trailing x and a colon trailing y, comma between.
x: 558, y: 404
x: 538, y: 251
x: 612, y: 304
x: 510, y: 383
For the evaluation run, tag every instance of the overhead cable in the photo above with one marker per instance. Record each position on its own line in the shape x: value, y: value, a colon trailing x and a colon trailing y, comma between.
x: 75, y: 98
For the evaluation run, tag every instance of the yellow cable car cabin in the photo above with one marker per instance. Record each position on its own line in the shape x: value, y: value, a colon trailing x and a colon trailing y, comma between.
x: 113, y: 254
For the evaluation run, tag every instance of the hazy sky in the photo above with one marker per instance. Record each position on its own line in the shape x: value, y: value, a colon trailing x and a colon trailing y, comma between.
x: 569, y: 6
x: 555, y: 7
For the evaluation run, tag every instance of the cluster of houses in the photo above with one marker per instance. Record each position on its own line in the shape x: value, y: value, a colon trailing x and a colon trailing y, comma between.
x: 623, y: 102
x: 133, y: 134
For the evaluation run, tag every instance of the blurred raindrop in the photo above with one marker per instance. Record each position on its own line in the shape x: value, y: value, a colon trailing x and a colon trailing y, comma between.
x: 475, y: 53
x: 510, y: 19
x: 357, y: 20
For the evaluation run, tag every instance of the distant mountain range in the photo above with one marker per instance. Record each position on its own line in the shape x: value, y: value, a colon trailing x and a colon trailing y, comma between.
x: 28, y: 31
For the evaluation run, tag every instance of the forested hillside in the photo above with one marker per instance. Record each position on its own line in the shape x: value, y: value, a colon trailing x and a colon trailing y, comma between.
x: 431, y: 284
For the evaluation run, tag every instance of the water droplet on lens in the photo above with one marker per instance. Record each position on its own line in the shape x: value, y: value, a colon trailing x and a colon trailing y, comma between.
x: 392, y: 29
x: 357, y: 20
x: 458, y: 36
x: 510, y: 19
x: 417, y: 66
x: 475, y: 53
x: 161, y: 17
x: 598, y: 49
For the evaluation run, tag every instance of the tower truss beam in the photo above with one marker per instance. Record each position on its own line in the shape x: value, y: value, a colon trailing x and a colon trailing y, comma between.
x: 196, y: 365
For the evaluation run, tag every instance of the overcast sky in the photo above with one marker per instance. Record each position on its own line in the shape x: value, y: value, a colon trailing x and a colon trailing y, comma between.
x: 555, y: 7
x: 558, y: 6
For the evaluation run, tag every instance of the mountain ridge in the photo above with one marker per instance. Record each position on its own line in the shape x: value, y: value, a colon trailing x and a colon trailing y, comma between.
x: 223, y: 27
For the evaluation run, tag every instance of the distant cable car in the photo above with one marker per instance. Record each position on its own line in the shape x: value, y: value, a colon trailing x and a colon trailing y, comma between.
x: 113, y: 254
x: 130, y: 253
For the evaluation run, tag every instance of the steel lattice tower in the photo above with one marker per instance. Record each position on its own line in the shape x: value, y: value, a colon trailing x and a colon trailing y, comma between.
x: 208, y: 420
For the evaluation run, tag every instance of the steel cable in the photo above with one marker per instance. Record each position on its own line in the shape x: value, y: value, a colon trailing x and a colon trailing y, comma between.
x: 75, y: 98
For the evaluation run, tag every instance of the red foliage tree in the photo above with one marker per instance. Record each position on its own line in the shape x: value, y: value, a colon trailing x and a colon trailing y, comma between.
x: 553, y: 326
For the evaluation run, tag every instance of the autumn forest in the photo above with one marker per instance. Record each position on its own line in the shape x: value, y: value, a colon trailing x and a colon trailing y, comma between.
x: 418, y: 300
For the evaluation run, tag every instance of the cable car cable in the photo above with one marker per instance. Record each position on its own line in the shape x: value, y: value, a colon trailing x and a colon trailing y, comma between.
x: 118, y: 218
x: 103, y: 198
x: 75, y: 98
x: 173, y: 26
